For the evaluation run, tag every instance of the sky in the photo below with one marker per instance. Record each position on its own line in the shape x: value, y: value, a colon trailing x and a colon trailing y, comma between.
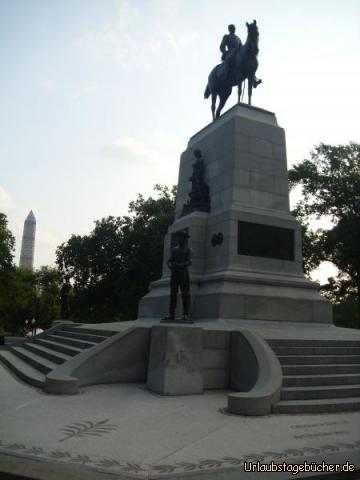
x: 100, y: 97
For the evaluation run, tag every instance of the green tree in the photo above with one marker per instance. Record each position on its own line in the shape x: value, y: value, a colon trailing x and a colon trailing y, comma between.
x: 111, y: 268
x: 7, y: 244
x: 17, y: 298
x: 18, y: 288
x: 7, y: 274
x: 49, y: 280
x: 330, y: 181
x: 312, y: 248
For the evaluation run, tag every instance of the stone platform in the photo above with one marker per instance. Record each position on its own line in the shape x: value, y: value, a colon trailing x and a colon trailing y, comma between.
x: 125, y: 432
x: 272, y: 367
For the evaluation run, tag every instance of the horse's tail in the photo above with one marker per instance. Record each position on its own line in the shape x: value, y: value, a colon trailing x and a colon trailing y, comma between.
x: 207, y: 91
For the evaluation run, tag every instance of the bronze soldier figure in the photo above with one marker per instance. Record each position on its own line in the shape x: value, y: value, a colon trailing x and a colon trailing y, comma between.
x: 229, y: 45
x: 240, y: 63
x: 199, y: 195
x: 179, y: 261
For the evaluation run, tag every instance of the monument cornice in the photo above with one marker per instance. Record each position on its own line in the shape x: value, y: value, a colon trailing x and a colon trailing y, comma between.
x: 239, y: 110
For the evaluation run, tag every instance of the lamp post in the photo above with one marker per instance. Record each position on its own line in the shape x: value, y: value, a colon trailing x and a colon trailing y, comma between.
x: 35, y: 320
x: 33, y: 327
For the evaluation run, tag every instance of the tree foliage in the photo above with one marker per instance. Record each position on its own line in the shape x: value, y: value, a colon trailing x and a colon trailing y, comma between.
x: 18, y: 297
x: 7, y: 244
x: 18, y: 288
x: 312, y: 249
x: 330, y: 181
x: 111, y: 268
x: 49, y: 279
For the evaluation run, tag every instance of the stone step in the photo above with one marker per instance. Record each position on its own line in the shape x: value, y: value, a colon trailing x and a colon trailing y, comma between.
x: 329, y: 391
x: 324, y: 405
x: 45, y: 352
x: 290, y: 351
x: 59, y: 347
x: 70, y: 341
x: 22, y: 369
x: 40, y: 363
x: 82, y: 336
x: 312, y: 343
x: 318, y: 359
x: 317, y: 380
x: 91, y: 331
x: 320, y: 369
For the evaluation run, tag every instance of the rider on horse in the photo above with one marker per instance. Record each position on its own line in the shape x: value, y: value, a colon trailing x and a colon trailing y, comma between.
x: 239, y: 64
x: 229, y: 45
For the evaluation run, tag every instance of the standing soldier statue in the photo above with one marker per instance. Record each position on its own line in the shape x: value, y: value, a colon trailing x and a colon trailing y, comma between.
x: 179, y: 261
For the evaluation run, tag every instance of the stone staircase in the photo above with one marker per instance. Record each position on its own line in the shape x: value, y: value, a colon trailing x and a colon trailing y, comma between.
x: 319, y: 376
x: 38, y: 356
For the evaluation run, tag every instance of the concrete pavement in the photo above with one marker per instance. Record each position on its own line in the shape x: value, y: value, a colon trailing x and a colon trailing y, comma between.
x: 124, y: 431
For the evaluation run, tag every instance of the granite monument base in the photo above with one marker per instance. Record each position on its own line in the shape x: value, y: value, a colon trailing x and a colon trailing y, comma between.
x: 175, y: 361
x: 247, y: 250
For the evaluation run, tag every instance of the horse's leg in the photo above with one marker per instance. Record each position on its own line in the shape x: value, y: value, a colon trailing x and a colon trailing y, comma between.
x: 213, y: 102
x: 250, y: 87
x: 220, y: 106
x: 225, y: 95
x: 239, y: 90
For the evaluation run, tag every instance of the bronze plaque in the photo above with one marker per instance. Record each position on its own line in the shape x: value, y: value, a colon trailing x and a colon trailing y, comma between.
x: 259, y: 240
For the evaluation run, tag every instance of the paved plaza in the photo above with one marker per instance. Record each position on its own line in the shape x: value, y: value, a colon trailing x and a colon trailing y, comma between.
x: 124, y: 431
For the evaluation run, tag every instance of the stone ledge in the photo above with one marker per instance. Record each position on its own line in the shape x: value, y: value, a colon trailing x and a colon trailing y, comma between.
x: 256, y: 371
x: 243, y: 110
x: 104, y: 363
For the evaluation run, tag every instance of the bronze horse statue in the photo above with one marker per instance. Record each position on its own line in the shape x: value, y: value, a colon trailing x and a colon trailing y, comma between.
x: 244, y: 66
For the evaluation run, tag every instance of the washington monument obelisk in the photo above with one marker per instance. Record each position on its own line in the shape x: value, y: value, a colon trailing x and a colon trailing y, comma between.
x: 28, y: 242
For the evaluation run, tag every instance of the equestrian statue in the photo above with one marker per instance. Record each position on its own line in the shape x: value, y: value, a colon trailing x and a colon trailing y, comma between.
x: 239, y: 63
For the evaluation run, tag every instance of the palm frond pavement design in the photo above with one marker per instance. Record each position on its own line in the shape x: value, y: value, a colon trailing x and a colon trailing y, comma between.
x: 82, y: 429
x: 163, y: 470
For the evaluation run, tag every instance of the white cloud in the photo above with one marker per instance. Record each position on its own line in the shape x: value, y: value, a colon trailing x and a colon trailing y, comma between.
x: 6, y: 202
x: 169, y: 142
x: 157, y: 149
x: 129, y: 148
x: 131, y: 42
x: 48, y: 85
x: 86, y: 91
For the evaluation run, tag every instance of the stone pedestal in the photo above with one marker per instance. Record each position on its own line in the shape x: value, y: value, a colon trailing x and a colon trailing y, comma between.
x: 247, y: 249
x: 175, y: 361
